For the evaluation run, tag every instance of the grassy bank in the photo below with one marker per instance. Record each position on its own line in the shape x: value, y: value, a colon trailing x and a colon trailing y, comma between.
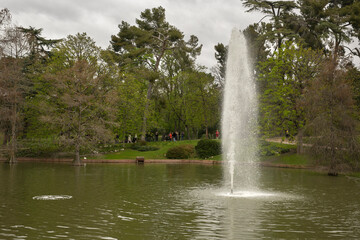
x: 289, y: 159
x: 128, y: 153
x: 125, y: 152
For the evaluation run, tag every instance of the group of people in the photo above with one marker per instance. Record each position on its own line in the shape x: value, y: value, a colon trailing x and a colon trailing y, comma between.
x: 130, y: 139
x: 172, y: 136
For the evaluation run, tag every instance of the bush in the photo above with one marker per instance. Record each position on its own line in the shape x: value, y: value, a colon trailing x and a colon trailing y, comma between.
x: 181, y: 152
x: 38, y: 148
x: 270, y: 148
x: 147, y: 148
x: 138, y: 145
x: 207, y: 148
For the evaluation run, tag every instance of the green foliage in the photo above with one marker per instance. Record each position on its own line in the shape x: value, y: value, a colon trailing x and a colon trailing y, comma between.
x: 312, y: 23
x: 147, y: 148
x: 208, y: 148
x: 181, y: 152
x: 143, y: 147
x: 129, y: 153
x: 291, y: 159
x: 270, y: 148
x: 145, y: 46
x: 40, y: 147
x: 282, y: 81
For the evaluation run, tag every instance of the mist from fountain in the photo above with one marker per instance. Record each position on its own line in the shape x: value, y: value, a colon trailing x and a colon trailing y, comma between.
x: 239, y: 119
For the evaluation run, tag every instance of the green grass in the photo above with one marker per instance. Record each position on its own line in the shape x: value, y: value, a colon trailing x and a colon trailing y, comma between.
x: 354, y: 174
x: 266, y: 150
x: 291, y: 159
x: 128, y: 153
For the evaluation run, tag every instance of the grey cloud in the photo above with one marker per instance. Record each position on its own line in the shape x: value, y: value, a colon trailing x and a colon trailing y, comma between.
x: 211, y: 21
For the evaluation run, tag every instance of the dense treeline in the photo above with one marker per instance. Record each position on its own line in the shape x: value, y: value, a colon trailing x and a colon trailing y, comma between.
x: 308, y: 86
x: 307, y: 83
x: 69, y: 95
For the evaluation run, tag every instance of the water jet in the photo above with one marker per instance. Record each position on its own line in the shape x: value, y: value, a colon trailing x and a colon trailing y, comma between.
x: 239, y: 118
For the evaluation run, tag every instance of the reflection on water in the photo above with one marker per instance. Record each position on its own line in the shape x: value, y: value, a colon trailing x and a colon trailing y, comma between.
x: 247, y: 194
x: 52, y: 197
x: 172, y: 202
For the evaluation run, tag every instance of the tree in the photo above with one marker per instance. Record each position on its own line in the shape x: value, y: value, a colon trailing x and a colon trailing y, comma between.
x: 146, y: 44
x: 81, y: 108
x: 282, y: 81
x: 5, y: 16
x: 12, y: 97
x: 279, y: 12
x: 132, y: 97
x: 327, y: 24
x: 78, y: 101
x: 204, y: 97
x: 13, y: 83
x: 38, y: 46
x: 331, y: 114
x: 220, y: 56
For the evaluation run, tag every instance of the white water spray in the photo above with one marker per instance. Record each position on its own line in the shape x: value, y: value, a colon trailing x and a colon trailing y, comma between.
x: 239, y: 118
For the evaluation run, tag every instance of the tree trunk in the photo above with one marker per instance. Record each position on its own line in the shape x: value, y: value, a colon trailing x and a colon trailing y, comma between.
x: 146, y: 110
x: 187, y: 132
x: 332, y: 170
x: 6, y: 137
x: 77, y: 160
x: 300, y: 147
x: 12, y: 157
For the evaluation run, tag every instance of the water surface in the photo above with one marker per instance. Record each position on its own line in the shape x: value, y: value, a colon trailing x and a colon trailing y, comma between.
x: 158, y: 201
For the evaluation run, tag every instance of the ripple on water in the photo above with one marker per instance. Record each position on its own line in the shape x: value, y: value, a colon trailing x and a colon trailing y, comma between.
x: 52, y: 197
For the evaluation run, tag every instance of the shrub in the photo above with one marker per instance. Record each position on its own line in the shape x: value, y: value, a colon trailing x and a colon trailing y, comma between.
x: 270, y: 148
x: 181, y: 152
x: 208, y: 148
x: 138, y: 145
x: 38, y: 148
x: 147, y: 148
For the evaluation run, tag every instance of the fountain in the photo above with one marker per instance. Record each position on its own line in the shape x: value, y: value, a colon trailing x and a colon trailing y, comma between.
x: 239, y: 119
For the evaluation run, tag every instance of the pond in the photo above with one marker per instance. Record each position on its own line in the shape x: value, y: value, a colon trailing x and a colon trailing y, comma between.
x: 159, y: 201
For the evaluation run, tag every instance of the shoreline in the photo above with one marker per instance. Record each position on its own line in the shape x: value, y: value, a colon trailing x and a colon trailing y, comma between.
x: 146, y: 161
x: 119, y: 161
x: 320, y: 169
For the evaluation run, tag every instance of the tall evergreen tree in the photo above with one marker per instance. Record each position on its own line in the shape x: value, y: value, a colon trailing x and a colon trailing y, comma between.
x: 146, y: 44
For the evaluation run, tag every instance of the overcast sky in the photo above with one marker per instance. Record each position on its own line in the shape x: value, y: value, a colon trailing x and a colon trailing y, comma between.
x: 210, y: 20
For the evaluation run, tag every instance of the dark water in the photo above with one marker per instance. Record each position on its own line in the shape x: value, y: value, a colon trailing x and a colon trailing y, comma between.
x: 172, y: 202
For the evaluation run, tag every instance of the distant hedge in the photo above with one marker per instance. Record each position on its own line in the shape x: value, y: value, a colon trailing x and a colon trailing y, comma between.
x: 181, y: 152
x: 270, y: 148
x: 207, y: 148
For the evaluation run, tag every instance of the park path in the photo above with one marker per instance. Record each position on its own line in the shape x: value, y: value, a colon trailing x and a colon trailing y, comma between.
x: 280, y: 140
x: 286, y: 141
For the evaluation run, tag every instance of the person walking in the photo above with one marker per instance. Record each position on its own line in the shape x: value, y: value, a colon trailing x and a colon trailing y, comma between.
x: 217, y: 134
